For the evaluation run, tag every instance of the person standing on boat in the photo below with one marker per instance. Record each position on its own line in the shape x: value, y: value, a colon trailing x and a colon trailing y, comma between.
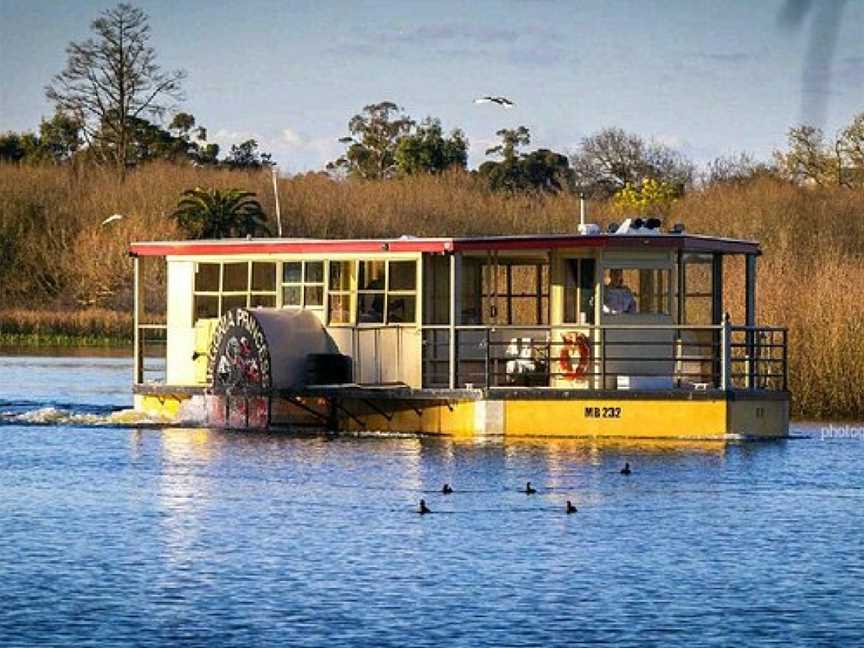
x: 618, y: 298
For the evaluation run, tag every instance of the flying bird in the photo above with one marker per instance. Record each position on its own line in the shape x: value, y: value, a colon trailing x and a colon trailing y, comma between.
x: 504, y: 102
x: 111, y: 219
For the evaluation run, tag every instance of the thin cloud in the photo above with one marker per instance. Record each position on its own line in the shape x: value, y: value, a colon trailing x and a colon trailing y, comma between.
x: 725, y: 57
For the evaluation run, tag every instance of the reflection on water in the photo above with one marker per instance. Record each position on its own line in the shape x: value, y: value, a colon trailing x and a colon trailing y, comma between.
x: 119, y: 536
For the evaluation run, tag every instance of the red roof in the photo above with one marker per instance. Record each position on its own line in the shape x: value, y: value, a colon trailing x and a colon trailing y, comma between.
x: 685, y: 242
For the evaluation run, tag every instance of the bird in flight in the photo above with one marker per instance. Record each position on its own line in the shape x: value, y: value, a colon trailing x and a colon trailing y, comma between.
x: 504, y: 102
x: 111, y: 219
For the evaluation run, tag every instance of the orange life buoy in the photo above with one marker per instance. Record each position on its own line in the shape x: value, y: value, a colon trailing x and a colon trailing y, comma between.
x: 578, y: 343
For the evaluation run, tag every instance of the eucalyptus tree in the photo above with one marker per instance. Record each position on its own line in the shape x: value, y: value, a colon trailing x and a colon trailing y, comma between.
x: 112, y: 81
x: 373, y: 142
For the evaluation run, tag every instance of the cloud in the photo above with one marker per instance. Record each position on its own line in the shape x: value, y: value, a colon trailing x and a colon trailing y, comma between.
x: 734, y: 58
x: 224, y: 136
x: 540, y: 55
x: 291, y: 137
x: 447, y: 32
x: 531, y: 45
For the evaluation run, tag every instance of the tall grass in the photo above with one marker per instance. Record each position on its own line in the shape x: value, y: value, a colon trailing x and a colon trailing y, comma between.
x: 94, y: 326
x: 54, y: 252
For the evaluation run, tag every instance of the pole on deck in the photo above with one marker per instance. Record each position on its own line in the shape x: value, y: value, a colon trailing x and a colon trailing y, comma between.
x: 137, y: 346
x: 452, y: 346
x: 750, y: 319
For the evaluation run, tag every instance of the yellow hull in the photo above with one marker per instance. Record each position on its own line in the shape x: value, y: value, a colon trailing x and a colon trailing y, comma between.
x: 632, y: 417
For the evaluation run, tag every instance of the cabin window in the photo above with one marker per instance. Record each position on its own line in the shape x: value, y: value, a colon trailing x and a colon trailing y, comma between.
x: 303, y: 284
x: 387, y: 292
x: 699, y: 289
x: 371, y: 292
x: 579, y: 291
x: 514, y: 293
x: 636, y: 291
x: 235, y: 277
x: 339, y: 292
x: 401, y: 292
x: 219, y: 287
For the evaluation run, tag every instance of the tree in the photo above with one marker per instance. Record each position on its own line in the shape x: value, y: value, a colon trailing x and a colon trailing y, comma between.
x: 426, y: 150
x: 60, y: 137
x: 213, y: 213
x: 511, y: 140
x: 111, y: 81
x: 246, y: 156
x: 374, y: 139
x: 810, y: 159
x: 735, y: 169
x: 611, y: 159
x: 851, y: 150
x: 650, y: 197
x: 539, y: 170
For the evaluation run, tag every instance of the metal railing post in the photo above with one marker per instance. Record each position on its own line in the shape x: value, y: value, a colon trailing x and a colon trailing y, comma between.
x: 725, y: 353
x: 137, y: 342
x: 602, y: 358
x: 452, y: 336
x: 488, y: 378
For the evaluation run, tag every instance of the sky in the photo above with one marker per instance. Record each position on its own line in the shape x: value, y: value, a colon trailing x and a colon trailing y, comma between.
x: 707, y: 78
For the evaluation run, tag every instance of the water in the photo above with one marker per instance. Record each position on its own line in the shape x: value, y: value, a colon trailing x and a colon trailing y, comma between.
x: 117, y: 535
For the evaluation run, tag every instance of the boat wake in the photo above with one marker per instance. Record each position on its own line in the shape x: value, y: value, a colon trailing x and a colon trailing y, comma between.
x: 31, y: 413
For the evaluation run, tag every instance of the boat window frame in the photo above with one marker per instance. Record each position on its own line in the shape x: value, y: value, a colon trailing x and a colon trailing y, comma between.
x: 386, y: 293
x: 304, y: 284
x: 637, y: 264
x: 351, y: 292
x: 221, y: 294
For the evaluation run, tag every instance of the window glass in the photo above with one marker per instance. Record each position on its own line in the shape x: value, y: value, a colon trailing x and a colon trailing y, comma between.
x: 233, y: 301
x: 340, y: 275
x: 235, y: 277
x: 370, y: 307
x: 206, y: 306
x: 292, y: 272
x: 403, y: 275
x: 340, y: 309
x: 264, y: 301
x: 292, y: 296
x: 371, y: 275
x: 636, y: 290
x: 401, y: 309
x: 314, y: 272
x: 207, y: 277
x: 264, y: 277
x: 314, y: 296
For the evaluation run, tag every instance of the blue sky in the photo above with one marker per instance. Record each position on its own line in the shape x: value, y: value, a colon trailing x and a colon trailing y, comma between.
x: 709, y: 78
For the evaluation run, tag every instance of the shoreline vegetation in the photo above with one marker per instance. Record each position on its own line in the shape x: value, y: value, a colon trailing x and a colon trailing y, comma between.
x: 66, y: 279
x: 96, y: 327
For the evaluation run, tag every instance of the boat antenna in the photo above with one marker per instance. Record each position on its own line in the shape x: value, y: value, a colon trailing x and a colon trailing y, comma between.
x: 276, y: 196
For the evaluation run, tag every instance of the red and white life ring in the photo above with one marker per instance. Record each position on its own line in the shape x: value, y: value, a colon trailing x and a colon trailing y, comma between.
x: 575, y: 355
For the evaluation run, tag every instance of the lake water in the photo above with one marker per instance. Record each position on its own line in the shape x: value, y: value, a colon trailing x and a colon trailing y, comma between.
x: 151, y: 537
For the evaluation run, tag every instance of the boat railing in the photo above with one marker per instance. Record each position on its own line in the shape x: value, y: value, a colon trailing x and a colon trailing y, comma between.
x: 607, y: 356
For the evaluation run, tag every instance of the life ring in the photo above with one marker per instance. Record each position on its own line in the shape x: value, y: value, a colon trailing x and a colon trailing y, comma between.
x: 574, y: 343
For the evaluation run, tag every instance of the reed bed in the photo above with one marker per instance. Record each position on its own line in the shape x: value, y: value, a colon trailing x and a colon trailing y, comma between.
x: 54, y: 252
x: 94, y: 326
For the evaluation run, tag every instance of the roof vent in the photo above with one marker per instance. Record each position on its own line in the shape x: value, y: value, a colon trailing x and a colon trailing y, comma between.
x: 677, y: 228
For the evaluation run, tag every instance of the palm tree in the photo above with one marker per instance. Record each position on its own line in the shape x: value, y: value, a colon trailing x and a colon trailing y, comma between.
x: 214, y: 213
